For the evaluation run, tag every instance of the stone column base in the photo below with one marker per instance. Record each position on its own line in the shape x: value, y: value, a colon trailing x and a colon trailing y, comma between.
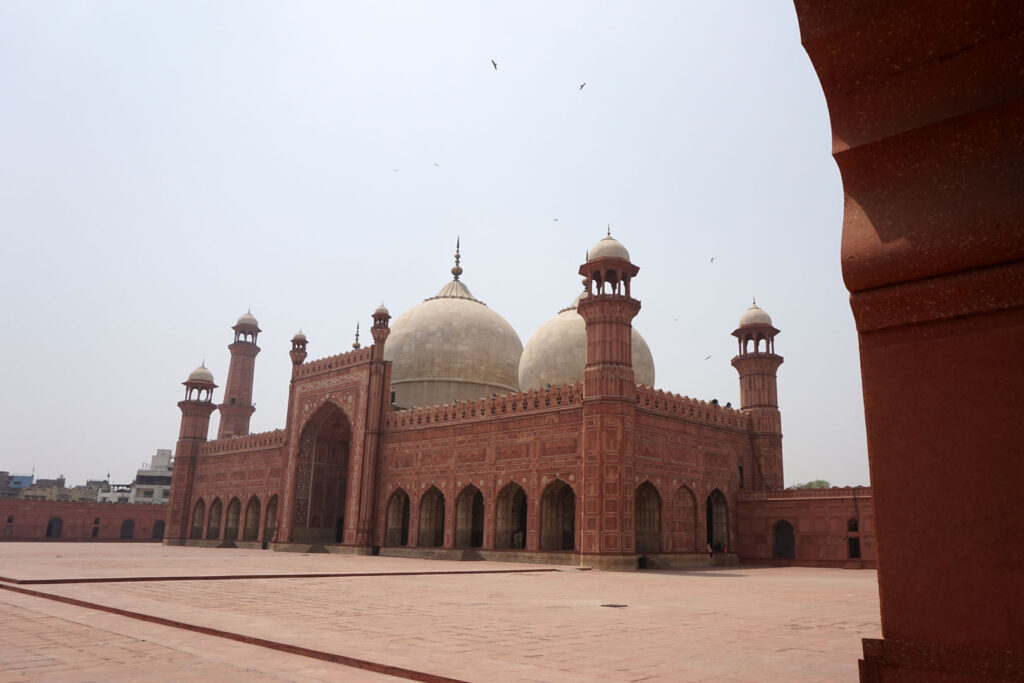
x: 910, y: 662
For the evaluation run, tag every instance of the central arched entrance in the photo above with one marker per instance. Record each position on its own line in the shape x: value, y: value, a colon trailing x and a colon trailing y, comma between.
x: 431, y: 528
x: 469, y: 518
x: 321, y: 477
x: 510, y: 517
x: 558, y: 517
x: 785, y: 540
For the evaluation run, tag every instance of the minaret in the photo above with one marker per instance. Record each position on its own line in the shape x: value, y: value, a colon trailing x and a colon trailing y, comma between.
x: 237, y: 407
x: 195, y: 426
x: 606, y: 519
x: 377, y: 401
x: 757, y: 365
x: 298, y: 352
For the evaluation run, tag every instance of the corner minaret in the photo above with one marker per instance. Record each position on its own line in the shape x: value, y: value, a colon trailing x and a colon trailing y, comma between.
x: 757, y: 364
x: 195, y: 426
x: 607, y: 533
x: 298, y: 352
x: 237, y: 407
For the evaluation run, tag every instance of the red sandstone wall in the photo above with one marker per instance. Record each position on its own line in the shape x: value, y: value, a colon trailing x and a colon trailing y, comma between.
x: 819, y: 518
x: 26, y: 520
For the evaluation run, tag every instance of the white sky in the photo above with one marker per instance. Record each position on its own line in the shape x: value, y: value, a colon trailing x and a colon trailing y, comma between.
x: 165, y: 166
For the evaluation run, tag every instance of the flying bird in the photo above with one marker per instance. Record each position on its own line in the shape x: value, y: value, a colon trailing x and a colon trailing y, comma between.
x: 712, y: 259
x: 495, y: 64
x: 707, y: 357
x: 436, y: 164
x: 582, y: 85
x: 555, y: 219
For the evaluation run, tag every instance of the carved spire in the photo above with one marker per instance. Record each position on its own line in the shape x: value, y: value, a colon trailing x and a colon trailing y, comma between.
x: 355, y: 344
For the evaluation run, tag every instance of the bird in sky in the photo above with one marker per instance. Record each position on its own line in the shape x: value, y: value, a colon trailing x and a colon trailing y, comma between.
x: 712, y: 259
x: 437, y: 164
x: 495, y: 64
x: 555, y: 219
x: 707, y: 357
x: 582, y: 85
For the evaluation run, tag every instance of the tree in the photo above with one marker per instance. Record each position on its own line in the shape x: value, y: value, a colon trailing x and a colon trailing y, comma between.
x: 816, y: 484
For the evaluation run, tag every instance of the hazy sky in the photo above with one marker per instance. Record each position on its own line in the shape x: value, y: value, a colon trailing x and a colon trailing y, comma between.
x: 165, y: 166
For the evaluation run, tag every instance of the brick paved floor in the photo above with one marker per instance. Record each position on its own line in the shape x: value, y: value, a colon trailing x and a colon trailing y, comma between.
x: 741, y: 624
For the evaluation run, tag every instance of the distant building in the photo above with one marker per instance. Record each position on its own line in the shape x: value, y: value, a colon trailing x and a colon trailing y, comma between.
x: 115, y: 493
x: 11, y: 485
x: 153, y: 481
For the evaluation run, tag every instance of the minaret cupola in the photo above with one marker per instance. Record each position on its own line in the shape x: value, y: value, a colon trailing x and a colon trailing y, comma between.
x: 298, y: 352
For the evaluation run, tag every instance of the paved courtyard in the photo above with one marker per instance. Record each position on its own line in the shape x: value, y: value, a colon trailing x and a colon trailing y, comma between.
x: 78, y: 612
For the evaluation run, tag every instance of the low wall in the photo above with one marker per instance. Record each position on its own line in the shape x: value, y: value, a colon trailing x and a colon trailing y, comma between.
x: 822, y: 521
x: 29, y: 520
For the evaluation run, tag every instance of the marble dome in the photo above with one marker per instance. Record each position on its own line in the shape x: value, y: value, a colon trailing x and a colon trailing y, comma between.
x: 247, y: 319
x: 754, y: 316
x: 608, y: 247
x: 201, y: 374
x: 451, y: 347
x: 557, y: 353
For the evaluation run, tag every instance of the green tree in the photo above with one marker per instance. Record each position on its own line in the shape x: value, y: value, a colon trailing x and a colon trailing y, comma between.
x: 816, y: 484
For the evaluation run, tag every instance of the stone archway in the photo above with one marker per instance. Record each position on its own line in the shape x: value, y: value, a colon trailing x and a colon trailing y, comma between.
x: 213, y: 525
x: 54, y: 527
x: 270, y: 521
x: 252, y: 520
x: 198, y: 517
x: 431, y: 517
x: 232, y: 520
x: 510, y: 514
x: 127, y: 529
x: 784, y: 540
x: 558, y: 517
x: 469, y: 518
x: 717, y: 512
x: 321, y: 476
x: 682, y: 521
x: 396, y: 519
x: 648, y: 518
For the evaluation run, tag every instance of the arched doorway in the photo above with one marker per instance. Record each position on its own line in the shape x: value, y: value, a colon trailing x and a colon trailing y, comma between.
x: 54, y: 527
x: 558, y: 517
x: 233, y: 518
x: 717, y: 521
x: 431, y: 527
x: 252, y: 520
x: 510, y: 517
x: 321, y: 476
x: 681, y: 520
x: 396, y: 522
x: 648, y: 519
x: 158, y: 529
x: 785, y: 540
x: 213, y: 526
x: 198, y: 515
x: 469, y: 518
x: 128, y: 529
x: 270, y: 524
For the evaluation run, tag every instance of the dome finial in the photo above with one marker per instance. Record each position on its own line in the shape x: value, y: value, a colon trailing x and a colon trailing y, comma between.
x: 609, y: 230
x: 355, y: 344
x: 754, y: 300
x: 457, y: 270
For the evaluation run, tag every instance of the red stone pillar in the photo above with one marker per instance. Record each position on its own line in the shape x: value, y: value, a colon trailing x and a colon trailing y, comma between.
x: 195, y: 425
x: 377, y: 401
x: 927, y: 109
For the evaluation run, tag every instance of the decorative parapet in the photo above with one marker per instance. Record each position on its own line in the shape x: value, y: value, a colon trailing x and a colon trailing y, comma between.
x: 506, y: 405
x: 341, y: 360
x: 835, y: 492
x: 659, y: 401
x: 249, y: 442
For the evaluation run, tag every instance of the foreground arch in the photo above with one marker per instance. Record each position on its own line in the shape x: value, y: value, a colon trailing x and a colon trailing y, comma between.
x: 469, y: 518
x: 431, y: 527
x: 558, y: 517
x: 396, y: 519
x: 648, y: 518
x: 510, y: 515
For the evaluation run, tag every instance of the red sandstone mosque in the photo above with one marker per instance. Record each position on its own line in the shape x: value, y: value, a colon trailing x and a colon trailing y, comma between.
x: 448, y: 438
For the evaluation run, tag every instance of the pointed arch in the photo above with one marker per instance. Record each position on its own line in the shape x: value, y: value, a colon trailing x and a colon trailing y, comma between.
x: 158, y: 530
x: 784, y: 545
x: 54, y: 527
x: 232, y: 519
x: 717, y: 521
x: 647, y: 504
x: 396, y: 519
x: 198, y: 518
x: 558, y: 517
x: 270, y: 521
x: 431, y: 518
x: 128, y: 529
x: 214, y: 523
x: 682, y: 521
x: 510, y: 515
x: 321, y: 475
x: 469, y: 518
x: 252, y: 520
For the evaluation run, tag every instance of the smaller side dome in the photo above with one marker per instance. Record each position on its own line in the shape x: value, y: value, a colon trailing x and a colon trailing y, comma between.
x: 247, y: 319
x: 299, y: 336
x: 382, y: 310
x: 608, y: 247
x: 754, y: 316
x: 201, y: 374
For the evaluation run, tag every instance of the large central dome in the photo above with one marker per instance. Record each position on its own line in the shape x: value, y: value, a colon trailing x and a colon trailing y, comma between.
x: 451, y: 347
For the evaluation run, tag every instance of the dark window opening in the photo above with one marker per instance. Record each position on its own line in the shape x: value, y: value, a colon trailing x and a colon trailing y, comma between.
x: 741, y: 476
x: 854, y: 548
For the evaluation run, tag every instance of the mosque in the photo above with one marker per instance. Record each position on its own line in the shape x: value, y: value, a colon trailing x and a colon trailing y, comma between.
x: 448, y: 438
